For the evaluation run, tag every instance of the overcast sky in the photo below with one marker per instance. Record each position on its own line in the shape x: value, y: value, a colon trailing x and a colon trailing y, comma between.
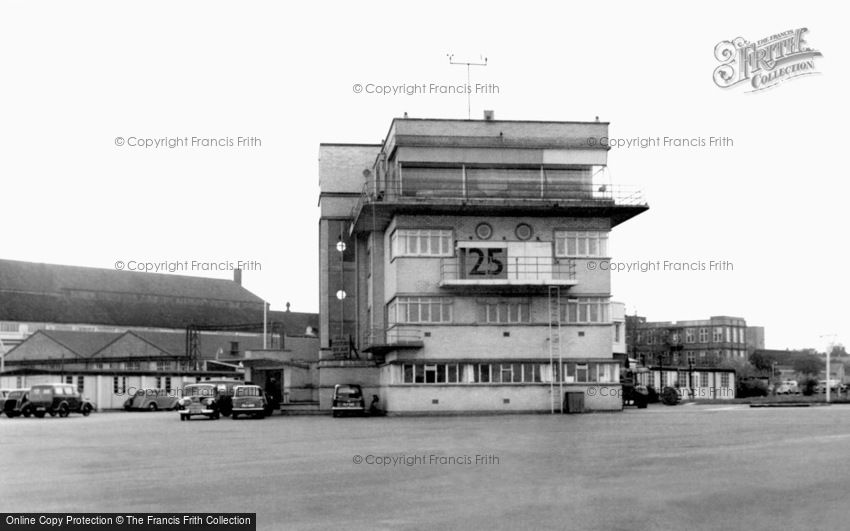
x: 76, y: 75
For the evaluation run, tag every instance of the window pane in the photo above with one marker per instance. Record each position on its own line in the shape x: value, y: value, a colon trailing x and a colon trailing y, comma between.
x: 484, y: 376
x: 435, y: 244
x: 419, y: 374
x: 408, y: 374
x: 452, y: 370
x: 591, y: 247
x: 594, y: 312
x: 571, y: 247
x: 441, y: 373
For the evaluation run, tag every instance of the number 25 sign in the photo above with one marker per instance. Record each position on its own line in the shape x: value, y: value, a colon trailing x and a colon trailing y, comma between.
x: 487, y: 263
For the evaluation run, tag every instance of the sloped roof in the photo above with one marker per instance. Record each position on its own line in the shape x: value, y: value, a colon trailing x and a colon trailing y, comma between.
x: 70, y: 294
x: 295, y: 323
x: 56, y: 344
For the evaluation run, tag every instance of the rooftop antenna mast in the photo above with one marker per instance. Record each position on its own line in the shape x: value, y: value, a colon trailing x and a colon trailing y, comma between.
x: 469, y: 65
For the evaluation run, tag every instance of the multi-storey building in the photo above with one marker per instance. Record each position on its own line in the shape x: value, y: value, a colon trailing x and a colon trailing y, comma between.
x: 702, y: 343
x: 458, y: 265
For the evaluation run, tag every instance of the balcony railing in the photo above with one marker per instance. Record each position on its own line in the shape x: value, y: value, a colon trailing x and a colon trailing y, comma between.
x: 501, y: 187
x: 394, y: 337
x: 534, y: 270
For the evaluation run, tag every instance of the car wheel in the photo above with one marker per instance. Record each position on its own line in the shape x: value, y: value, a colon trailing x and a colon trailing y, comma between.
x: 152, y: 406
x: 39, y: 414
x: 234, y: 416
x: 52, y: 413
x: 184, y: 417
x: 27, y: 412
x: 63, y: 410
x: 335, y: 414
x: 261, y: 415
x: 86, y: 410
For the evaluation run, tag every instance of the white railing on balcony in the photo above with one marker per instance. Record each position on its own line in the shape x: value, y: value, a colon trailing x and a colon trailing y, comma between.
x: 534, y: 269
x: 395, y: 335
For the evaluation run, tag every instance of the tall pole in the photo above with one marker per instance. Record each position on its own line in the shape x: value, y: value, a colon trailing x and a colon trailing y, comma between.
x: 828, y: 352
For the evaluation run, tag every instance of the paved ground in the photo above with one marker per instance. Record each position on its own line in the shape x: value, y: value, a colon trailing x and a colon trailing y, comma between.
x: 686, y: 467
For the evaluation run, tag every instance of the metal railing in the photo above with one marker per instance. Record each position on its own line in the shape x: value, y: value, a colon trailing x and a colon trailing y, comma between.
x: 391, y: 336
x: 533, y: 268
x: 498, y: 190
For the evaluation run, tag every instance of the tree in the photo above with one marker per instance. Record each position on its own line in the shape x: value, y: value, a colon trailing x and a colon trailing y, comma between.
x: 808, y: 364
x: 742, y: 368
x: 762, y: 361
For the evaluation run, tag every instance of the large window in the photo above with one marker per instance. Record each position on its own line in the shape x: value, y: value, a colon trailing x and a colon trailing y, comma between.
x: 416, y: 242
x: 507, y: 312
x: 717, y: 337
x: 724, y: 379
x: 119, y: 385
x: 689, y: 335
x: 405, y: 310
x: 703, y: 335
x: 585, y: 310
x: 578, y: 244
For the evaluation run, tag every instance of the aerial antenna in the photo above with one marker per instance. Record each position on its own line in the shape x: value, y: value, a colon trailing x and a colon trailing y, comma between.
x: 468, y: 64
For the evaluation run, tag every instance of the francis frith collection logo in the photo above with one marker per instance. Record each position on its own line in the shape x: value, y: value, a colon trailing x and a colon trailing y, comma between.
x: 764, y: 63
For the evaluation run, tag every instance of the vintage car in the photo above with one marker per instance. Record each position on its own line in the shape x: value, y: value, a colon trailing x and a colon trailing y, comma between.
x: 58, y: 399
x: 250, y: 400
x: 200, y: 399
x: 17, y: 403
x: 347, y: 399
x: 151, y: 400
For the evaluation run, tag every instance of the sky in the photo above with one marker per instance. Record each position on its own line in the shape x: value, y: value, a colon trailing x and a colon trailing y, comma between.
x: 85, y: 84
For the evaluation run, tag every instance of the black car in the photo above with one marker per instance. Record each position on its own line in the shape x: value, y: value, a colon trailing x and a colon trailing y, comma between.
x: 17, y: 403
x: 203, y: 399
x: 58, y: 399
x: 348, y: 398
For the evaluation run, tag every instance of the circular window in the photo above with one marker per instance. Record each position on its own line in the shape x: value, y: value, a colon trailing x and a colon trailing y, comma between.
x: 524, y: 231
x: 484, y: 231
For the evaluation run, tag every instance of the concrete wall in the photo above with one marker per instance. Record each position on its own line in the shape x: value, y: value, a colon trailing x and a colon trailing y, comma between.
x: 501, y: 398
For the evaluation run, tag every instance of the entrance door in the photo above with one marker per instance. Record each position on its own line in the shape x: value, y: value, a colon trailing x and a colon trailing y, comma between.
x: 274, y: 385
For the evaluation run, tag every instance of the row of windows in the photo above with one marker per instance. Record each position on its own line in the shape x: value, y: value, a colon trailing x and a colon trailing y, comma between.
x: 138, y: 365
x: 471, y: 373
x: 417, y: 310
x: 438, y: 242
x: 412, y: 242
x: 718, y: 334
x: 680, y: 379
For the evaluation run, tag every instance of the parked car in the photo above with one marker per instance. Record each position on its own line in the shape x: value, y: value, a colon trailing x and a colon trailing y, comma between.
x: 151, y: 400
x: 250, y: 400
x: 347, y: 398
x: 200, y: 399
x: 58, y: 399
x: 788, y: 387
x: 17, y: 403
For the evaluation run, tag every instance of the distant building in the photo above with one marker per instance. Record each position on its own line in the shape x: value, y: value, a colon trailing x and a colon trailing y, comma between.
x: 755, y: 339
x: 701, y: 343
x: 142, y: 329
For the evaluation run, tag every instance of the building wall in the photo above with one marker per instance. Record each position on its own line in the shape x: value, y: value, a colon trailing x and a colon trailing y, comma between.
x: 504, y: 398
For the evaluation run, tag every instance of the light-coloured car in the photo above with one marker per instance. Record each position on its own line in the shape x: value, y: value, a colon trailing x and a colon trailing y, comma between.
x: 249, y: 400
x: 788, y: 387
x: 151, y: 400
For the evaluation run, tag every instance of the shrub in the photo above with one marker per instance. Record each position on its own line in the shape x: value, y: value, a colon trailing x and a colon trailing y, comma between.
x: 809, y: 385
x: 749, y: 388
x: 670, y: 396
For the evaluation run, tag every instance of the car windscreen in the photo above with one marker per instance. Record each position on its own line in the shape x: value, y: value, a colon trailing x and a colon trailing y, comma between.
x: 199, y: 390
x: 351, y: 392
x: 249, y: 391
x: 15, y: 395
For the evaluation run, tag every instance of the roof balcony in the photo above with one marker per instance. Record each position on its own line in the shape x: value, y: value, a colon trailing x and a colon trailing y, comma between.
x: 579, y: 191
